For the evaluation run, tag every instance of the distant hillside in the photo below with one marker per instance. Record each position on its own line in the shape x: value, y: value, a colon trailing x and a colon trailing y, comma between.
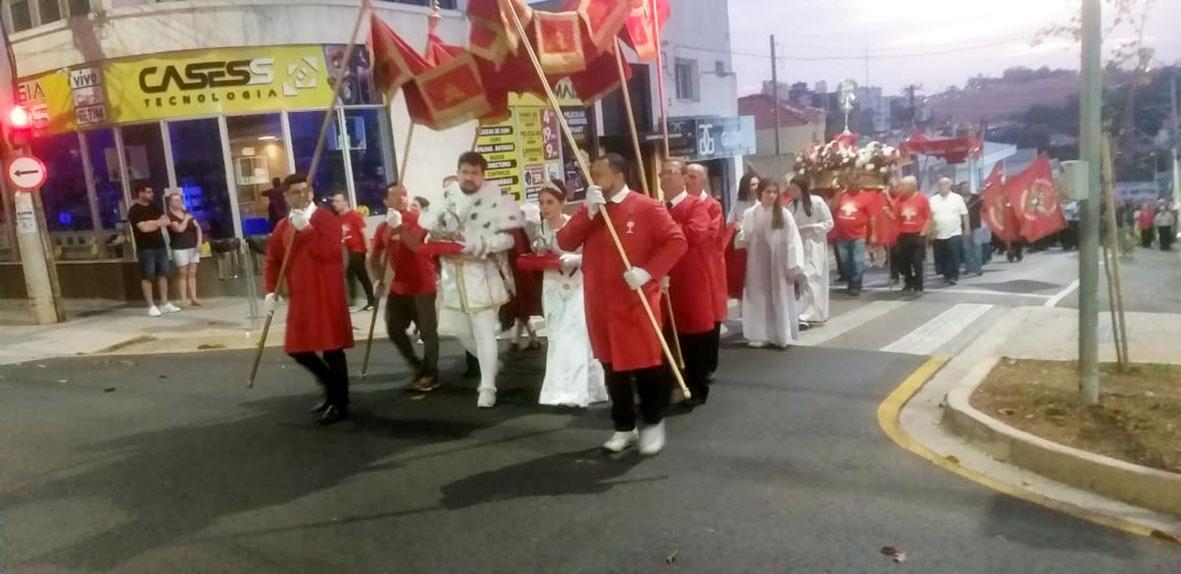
x: 995, y: 99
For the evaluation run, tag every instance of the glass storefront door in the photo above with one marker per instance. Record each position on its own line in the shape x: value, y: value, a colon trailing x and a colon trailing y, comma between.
x: 143, y: 152
x: 200, y: 171
x: 330, y: 175
x: 371, y: 159
x: 259, y: 156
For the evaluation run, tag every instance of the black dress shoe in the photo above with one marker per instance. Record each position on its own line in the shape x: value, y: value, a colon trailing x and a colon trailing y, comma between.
x: 332, y: 415
x: 323, y: 406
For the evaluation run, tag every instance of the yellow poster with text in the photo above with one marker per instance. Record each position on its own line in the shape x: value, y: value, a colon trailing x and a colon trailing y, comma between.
x: 48, y: 101
x: 204, y: 82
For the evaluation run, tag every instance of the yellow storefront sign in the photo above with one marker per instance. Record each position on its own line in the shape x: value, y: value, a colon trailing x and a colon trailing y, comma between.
x: 47, y: 99
x: 206, y: 82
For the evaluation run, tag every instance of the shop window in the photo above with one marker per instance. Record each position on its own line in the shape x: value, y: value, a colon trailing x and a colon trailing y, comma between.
x: 143, y: 152
x: 67, y: 206
x: 108, y: 183
x: 201, y: 175
x: 259, y: 156
x: 330, y: 175
x: 370, y: 155
x: 79, y: 7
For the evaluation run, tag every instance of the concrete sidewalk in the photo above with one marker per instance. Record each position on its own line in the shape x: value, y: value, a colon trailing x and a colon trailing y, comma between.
x: 105, y: 326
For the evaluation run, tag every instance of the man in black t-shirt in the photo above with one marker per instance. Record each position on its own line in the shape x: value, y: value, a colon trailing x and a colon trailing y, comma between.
x: 148, y: 224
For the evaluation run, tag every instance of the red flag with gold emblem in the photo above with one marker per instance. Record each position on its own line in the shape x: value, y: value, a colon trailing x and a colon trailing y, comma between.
x: 559, y: 42
x: 997, y: 214
x: 395, y: 63
x: 493, y: 33
x: 601, y: 77
x: 449, y: 94
x: 604, y: 20
x: 1035, y: 201
x: 642, y: 24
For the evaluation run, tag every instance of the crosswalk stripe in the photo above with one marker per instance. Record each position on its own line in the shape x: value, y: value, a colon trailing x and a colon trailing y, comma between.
x: 846, y: 322
x: 938, y: 331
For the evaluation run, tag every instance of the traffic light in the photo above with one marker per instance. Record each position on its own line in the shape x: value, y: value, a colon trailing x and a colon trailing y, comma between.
x: 18, y: 128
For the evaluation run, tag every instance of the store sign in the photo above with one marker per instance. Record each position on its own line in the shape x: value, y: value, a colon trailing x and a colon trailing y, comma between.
x: 712, y: 137
x: 90, y: 103
x: 525, y: 150
x: 49, y: 102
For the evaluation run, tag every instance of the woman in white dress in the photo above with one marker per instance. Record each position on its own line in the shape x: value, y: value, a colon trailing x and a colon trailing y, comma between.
x: 748, y: 190
x: 775, y: 259
x: 573, y: 378
x: 814, y: 220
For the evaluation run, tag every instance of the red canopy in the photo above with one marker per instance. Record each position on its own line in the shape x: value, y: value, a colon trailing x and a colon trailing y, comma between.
x: 954, y: 150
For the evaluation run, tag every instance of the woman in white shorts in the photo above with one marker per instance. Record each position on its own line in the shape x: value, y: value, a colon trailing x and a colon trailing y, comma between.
x: 184, y: 233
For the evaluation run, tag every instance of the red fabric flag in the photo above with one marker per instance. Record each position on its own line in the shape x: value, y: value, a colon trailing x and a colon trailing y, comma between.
x: 998, y: 214
x: 438, y: 52
x: 604, y: 20
x: 449, y: 94
x: 395, y: 63
x: 559, y: 42
x: 493, y: 34
x: 1035, y: 201
x: 601, y: 77
x: 642, y: 25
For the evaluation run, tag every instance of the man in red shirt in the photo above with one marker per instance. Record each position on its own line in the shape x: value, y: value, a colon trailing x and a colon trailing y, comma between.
x: 855, y: 227
x: 412, y: 288
x: 697, y: 183
x: 690, y: 280
x: 913, y: 213
x: 620, y: 334
x: 318, y: 314
x: 352, y: 226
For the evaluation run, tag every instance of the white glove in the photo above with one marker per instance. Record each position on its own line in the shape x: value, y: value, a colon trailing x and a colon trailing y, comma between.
x: 665, y: 283
x: 532, y: 213
x: 471, y: 248
x: 268, y: 303
x: 299, y: 219
x: 570, y: 261
x: 393, y: 218
x: 636, y: 278
x: 594, y: 200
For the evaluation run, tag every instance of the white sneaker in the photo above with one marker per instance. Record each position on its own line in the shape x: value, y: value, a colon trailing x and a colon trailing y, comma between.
x: 621, y: 441
x: 154, y: 311
x: 652, y: 439
x: 170, y: 308
x: 487, y: 399
x: 757, y: 344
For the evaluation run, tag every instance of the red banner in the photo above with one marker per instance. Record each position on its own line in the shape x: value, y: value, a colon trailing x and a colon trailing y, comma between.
x: 559, y: 42
x: 395, y: 63
x: 604, y: 19
x: 997, y: 214
x: 642, y: 26
x: 996, y: 176
x: 1035, y: 201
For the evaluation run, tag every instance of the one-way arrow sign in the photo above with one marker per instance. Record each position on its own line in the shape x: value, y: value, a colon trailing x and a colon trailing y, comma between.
x: 26, y: 172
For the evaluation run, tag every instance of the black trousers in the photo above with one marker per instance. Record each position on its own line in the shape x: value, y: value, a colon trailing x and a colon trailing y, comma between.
x: 1146, y: 238
x: 653, y: 385
x: 1070, y: 235
x: 1015, y: 251
x: 910, y: 256
x: 400, y: 312
x: 356, y: 272
x: 711, y: 347
x: 947, y: 257
x: 696, y: 351
x: 331, y: 371
x: 1166, y: 237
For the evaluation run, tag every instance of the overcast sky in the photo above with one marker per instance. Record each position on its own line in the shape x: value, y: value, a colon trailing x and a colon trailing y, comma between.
x: 984, y: 36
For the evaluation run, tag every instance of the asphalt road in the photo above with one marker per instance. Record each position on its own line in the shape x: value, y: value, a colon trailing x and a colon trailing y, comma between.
x: 167, y: 463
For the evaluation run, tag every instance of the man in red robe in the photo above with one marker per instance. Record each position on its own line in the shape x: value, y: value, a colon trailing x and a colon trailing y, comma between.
x: 690, y: 281
x: 318, y: 313
x: 697, y: 182
x: 621, y: 335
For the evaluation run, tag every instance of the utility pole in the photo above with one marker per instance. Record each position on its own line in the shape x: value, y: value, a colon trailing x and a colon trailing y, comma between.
x: 1176, y: 142
x: 775, y: 96
x: 1091, y: 151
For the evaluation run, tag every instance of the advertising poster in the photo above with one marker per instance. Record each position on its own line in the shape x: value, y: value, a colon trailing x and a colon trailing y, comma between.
x: 498, y: 143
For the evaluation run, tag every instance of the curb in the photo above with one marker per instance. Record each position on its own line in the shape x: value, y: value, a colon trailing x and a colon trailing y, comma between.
x: 1134, y: 484
x: 890, y: 410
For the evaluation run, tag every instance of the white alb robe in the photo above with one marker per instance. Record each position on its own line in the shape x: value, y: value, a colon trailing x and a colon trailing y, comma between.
x: 775, y: 258
x: 572, y: 375
x: 814, y: 235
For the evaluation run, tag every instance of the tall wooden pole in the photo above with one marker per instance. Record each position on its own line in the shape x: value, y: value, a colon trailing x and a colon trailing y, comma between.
x: 582, y: 164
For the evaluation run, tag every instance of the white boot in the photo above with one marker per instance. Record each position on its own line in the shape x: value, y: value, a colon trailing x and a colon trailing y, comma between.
x: 621, y: 441
x: 487, y: 399
x: 652, y: 439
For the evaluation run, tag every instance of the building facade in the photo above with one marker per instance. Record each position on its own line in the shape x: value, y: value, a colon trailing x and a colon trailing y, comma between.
x: 211, y: 99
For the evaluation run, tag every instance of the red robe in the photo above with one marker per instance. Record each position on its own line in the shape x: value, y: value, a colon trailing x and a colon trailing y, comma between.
x: 318, y: 312
x: 717, y: 259
x: 690, y: 280
x: 620, y: 333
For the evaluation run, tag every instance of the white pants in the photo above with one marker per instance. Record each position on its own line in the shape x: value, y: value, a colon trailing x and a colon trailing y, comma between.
x: 477, y: 334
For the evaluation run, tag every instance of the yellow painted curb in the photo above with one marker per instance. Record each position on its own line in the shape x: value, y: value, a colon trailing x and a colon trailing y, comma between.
x: 888, y: 419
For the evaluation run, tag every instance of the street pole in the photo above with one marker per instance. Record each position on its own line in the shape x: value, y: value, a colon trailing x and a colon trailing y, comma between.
x: 1176, y: 143
x: 775, y: 96
x: 1091, y: 151
x: 37, y: 261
